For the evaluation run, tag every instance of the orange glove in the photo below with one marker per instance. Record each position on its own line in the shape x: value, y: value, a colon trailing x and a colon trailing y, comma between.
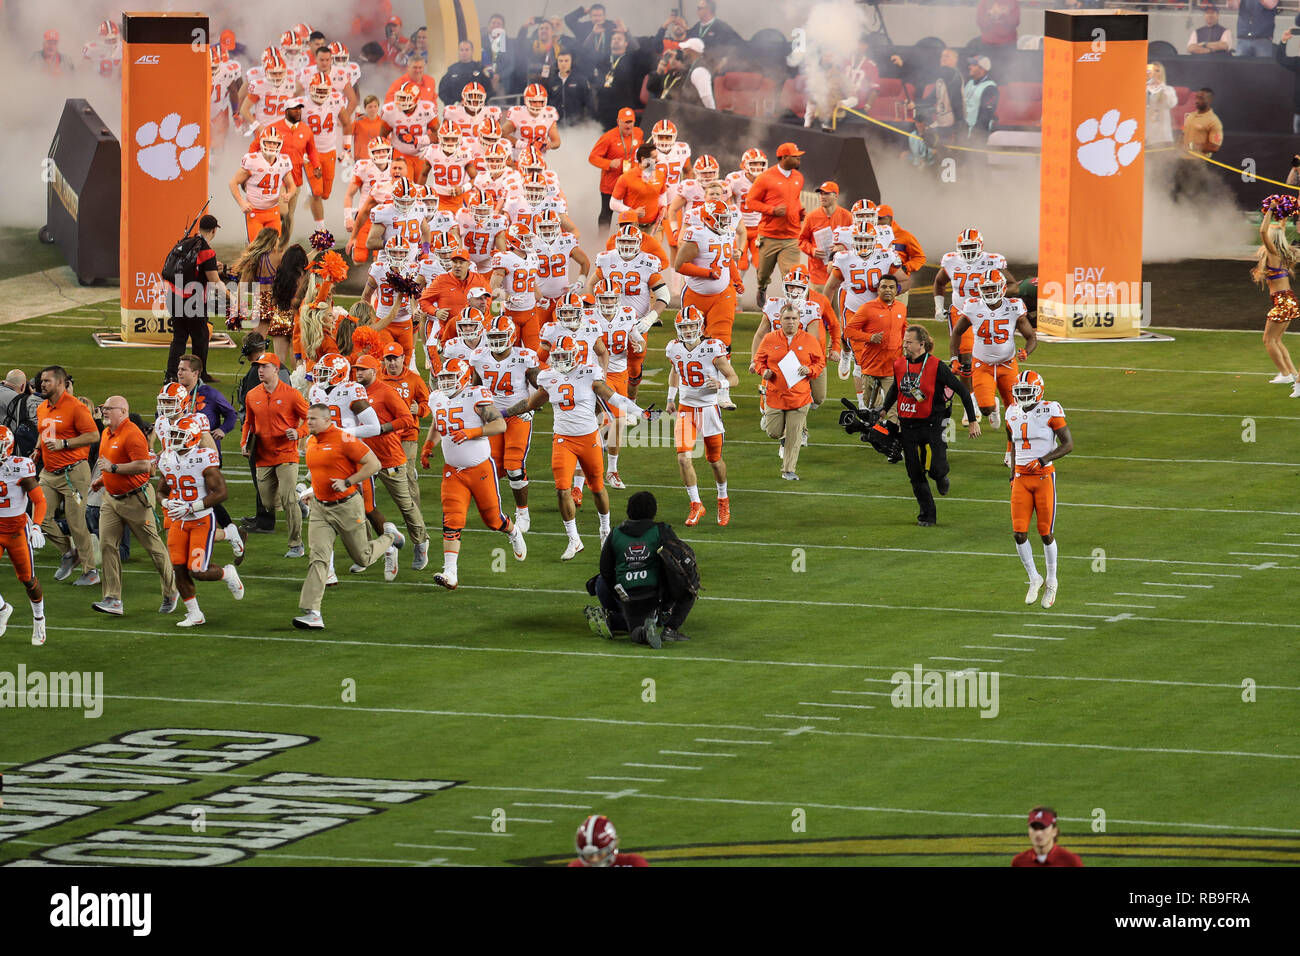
x: 1021, y: 355
x: 462, y: 435
x: 426, y: 453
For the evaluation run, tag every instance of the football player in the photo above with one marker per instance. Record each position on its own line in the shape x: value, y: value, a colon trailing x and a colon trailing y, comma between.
x: 503, y: 368
x: 482, y: 230
x: 19, y: 535
x: 995, y: 319
x: 326, y: 113
x: 705, y: 257
x: 366, y: 174
x: 963, y: 270
x: 752, y: 164
x: 448, y: 164
x: 513, y: 282
x: 573, y: 390
x: 269, y: 90
x: 465, y: 417
x: 190, y: 483
x: 554, y: 247
x: 638, y: 277
x: 534, y: 124
x: 403, y: 216
x: 409, y: 120
x: 263, y: 184
x: 471, y: 110
x: 624, y: 343
x: 393, y: 308
x: 854, y: 275
x: 699, y: 370
x: 344, y: 74
x: 1037, y: 435
x: 498, y: 181
x: 598, y: 846
x: 105, y: 51
x: 224, y: 101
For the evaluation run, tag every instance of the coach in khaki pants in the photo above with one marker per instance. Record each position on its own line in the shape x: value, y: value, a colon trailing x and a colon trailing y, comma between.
x: 394, y: 418
x: 875, y: 334
x: 777, y: 196
x: 67, y: 431
x: 273, y: 418
x: 124, y: 468
x: 786, y: 415
x: 337, y: 463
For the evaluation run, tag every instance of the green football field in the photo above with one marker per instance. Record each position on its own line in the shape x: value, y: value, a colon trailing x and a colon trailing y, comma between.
x: 1155, y: 706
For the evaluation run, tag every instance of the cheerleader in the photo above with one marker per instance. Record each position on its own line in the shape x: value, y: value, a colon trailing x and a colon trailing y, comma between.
x: 1274, y: 265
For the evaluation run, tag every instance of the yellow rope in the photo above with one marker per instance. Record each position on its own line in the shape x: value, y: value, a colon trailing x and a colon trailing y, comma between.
x: 1238, y: 169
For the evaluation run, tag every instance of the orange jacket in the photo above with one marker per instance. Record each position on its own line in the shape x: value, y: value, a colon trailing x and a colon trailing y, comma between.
x: 389, y: 407
x: 771, y: 189
x: 814, y: 222
x: 448, y: 292
x: 640, y: 194
x: 427, y: 84
x: 613, y: 153
x: 299, y: 145
x: 908, y: 249
x: 877, y: 359
x: 772, y: 349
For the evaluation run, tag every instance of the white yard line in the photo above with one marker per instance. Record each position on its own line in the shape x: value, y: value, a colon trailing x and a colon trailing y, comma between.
x: 1203, y: 574
x: 719, y: 740
x: 631, y: 779
x: 547, y: 806
x: 799, y: 717
x: 659, y: 766
x: 813, y: 703
x: 1030, y: 637
x: 1176, y: 597
x: 1260, y: 554
x: 1140, y: 607
x: 1063, y: 627
x: 1279, y: 544
x: 866, y: 693
x: 974, y: 660
x: 474, y: 833
x: 510, y: 819
x: 434, y: 846
x: 693, y: 753
x: 1175, y: 584
x: 994, y: 647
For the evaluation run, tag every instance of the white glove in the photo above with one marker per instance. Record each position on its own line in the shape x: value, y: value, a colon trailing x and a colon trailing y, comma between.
x: 179, y: 510
x: 846, y: 364
x: 36, y: 536
x: 647, y: 322
x: 1006, y: 459
x: 252, y: 128
x: 939, y: 311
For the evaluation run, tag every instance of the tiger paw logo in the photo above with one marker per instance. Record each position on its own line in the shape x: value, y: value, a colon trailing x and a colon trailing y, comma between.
x: 167, y: 149
x: 1106, y: 145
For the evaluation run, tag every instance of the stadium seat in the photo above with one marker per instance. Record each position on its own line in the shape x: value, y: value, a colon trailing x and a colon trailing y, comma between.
x: 1186, y: 104
x: 892, y: 99
x: 1020, y: 104
x: 742, y: 93
x: 794, y: 95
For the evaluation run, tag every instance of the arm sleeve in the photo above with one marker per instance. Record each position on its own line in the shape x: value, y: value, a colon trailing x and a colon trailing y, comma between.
x: 945, y: 378
x: 37, y: 496
x: 818, y: 360
x: 806, y: 244
x: 756, y: 200
x: 597, y: 156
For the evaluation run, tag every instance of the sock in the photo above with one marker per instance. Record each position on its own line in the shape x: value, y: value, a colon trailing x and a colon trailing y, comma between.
x: 722, y: 489
x: 571, y: 529
x: 38, y: 609
x: 192, y: 606
x: 862, y: 398
x: 579, y: 481
x: 604, y: 522
x: 318, y: 223
x: 613, y: 462
x: 331, y: 565
x: 2, y: 602
x: 1049, y: 554
x: 450, y: 560
x: 693, y: 492
x: 1026, y: 552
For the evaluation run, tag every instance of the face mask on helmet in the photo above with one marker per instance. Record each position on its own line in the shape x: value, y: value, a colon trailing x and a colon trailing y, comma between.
x: 470, y: 330
x: 992, y: 290
x: 6, y: 443
x: 864, y: 244
x: 564, y: 357
x: 1027, y: 393
x: 534, y: 189
x: 608, y: 303
x: 320, y: 93
x: 689, y: 329
x: 501, y: 336
x: 381, y: 155
x: 548, y: 226
x: 569, y: 317
x: 171, y: 400
x: 969, y: 247
x: 665, y: 135
x: 796, y: 289
x: 627, y: 245
x: 535, y: 98
x: 473, y: 97
x: 453, y: 377
x: 404, y: 99
x: 270, y: 149
x: 448, y: 138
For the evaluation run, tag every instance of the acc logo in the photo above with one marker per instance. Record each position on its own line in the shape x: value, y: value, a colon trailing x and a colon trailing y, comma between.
x: 1091, y: 57
x: 149, y: 58
x: 167, y: 148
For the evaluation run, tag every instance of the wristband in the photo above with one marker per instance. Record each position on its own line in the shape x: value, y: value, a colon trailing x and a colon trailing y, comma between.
x: 347, y: 141
x: 938, y: 305
x: 672, y: 393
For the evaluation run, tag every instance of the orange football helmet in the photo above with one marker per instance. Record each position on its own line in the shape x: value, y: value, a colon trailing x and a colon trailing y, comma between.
x: 407, y: 95
x: 332, y: 369
x: 706, y: 169
x: 754, y: 161
x: 568, y: 311
x: 473, y: 97
x: 970, y: 245
x: 993, y: 288
x: 1028, y: 390
x: 628, y: 241
x: 172, y: 400
x: 455, y: 376
x: 500, y: 334
x: 535, y: 98
x: 608, y: 298
x: 664, y: 135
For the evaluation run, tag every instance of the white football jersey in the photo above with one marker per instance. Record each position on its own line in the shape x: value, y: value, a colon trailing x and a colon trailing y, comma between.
x: 344, y: 75
x: 618, y: 333
x: 461, y: 412
x: 262, y: 189
x: 738, y: 183
x: 505, y: 376
x: 467, y: 122
x: 673, y: 163
x: 184, y: 475
x: 479, y: 238
x: 553, y: 263
x: 500, y: 188
x: 13, y: 501
x: 588, y: 334
x: 995, y: 328
x: 408, y: 128
x: 106, y: 58
x: 694, y: 369
x: 632, y: 277
x: 714, y: 251
x: 269, y: 98
x: 406, y: 224
x: 227, y: 73
x: 386, y: 299
x: 1033, y: 432
x: 967, y: 276
x: 339, y: 399
x: 323, y: 121
x: 572, y: 397
x: 520, y: 279
x: 447, y: 172
x: 532, y: 130
x: 365, y: 173
x: 862, y: 274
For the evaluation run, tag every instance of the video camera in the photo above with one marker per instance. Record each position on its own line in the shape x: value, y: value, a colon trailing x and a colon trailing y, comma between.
x: 880, y: 434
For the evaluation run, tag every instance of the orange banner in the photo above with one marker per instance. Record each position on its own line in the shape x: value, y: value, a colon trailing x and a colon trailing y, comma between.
x: 1090, y: 212
x: 165, y: 91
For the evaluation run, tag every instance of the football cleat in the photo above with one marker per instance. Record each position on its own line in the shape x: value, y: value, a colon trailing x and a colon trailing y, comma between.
x: 518, y: 543
x: 236, y: 544
x: 5, y: 613
x: 169, y: 603
x: 724, y: 511
x: 523, y: 520
x: 38, y: 631
x: 231, y: 577
x: 698, y: 511
x: 575, y: 546
x: 1049, y: 594
x: 1034, y: 587
x: 445, y: 579
x: 192, y: 619
x: 614, y: 481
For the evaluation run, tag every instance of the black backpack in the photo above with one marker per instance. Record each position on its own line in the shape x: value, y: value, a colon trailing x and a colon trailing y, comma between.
x: 183, y: 260
x: 681, y: 572
x: 18, y: 421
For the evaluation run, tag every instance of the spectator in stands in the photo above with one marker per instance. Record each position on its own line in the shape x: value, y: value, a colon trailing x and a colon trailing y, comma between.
x: 940, y: 89
x: 419, y: 47
x: 591, y: 32
x: 1292, y: 63
x: 495, y: 22
x: 828, y: 89
x: 998, y: 21
x: 922, y: 150
x: 979, y: 99
x: 48, y: 56
x: 395, y: 42
x: 569, y: 92
x: 415, y: 74
x: 460, y: 74
x: 668, y: 81
x: 500, y: 63
x: 1161, y: 98
x: 862, y: 76
x: 537, y: 45
x: 614, y: 154
x: 671, y: 34
x: 618, y: 82
x: 815, y: 238
x: 1212, y: 37
x: 1255, y: 19
x: 717, y: 35
x: 697, y: 74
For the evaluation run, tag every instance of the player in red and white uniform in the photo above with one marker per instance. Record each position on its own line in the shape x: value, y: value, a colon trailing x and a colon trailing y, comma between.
x: 105, y: 51
x: 19, y: 535
x: 554, y: 248
x: 498, y: 181
x: 1037, y: 435
x: 225, y: 74
x: 738, y: 182
x: 190, y: 483
x: 686, y: 198
x: 471, y: 110
x: 963, y: 270
x: 533, y: 201
x: 503, y: 367
x: 699, y: 370
x: 471, y: 325
x: 262, y: 184
x: 534, y: 124
x: 484, y: 137
x: 465, y: 417
x: 638, y: 277
x: 393, y: 309
x: 572, y: 389
x: 514, y: 284
x: 705, y: 258
x: 410, y: 121
x: 325, y: 113
x: 532, y: 163
x: 672, y: 156
x: 854, y: 274
x: 481, y: 230
x: 623, y: 341
x: 598, y: 845
x: 995, y: 320
x: 448, y: 176
x: 294, y: 50
x: 266, y: 94
x: 403, y: 216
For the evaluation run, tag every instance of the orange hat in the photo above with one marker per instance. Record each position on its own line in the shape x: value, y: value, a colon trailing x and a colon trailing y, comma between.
x: 367, y: 361
x: 631, y: 215
x: 625, y: 114
x: 828, y: 187
x: 268, y: 358
x: 394, y: 349
x: 788, y: 149
x: 459, y: 253
x: 887, y: 211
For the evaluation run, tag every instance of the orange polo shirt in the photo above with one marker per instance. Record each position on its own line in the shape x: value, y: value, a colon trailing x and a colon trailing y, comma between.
x: 427, y: 84
x: 773, y: 188
x: 613, y: 153
x: 640, y: 194
x: 410, y: 388
x: 448, y: 292
x: 122, y: 447
x: 388, y: 405
x: 364, y: 129
x: 269, y: 415
x: 333, y: 454
x: 66, y: 418
x: 770, y: 352
x: 891, y: 322
x: 299, y: 145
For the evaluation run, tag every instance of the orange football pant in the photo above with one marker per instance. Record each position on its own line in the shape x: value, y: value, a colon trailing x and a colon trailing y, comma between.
x: 259, y: 219
x: 719, y: 312
x: 190, y: 542
x: 569, y: 452
x: 477, y: 483
x: 987, y: 378
x: 1034, y: 494
x: 19, y: 549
